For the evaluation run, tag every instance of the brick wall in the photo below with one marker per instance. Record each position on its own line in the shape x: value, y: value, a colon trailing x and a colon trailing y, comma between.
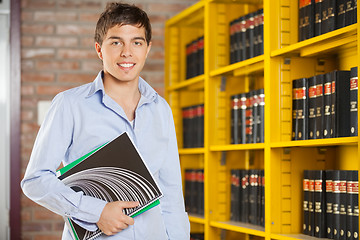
x: 57, y: 54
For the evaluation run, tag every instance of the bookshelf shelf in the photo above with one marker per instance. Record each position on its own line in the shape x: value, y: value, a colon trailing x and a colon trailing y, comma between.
x: 317, y: 142
x: 235, y: 147
x: 284, y: 59
x: 322, y: 44
x: 239, y: 227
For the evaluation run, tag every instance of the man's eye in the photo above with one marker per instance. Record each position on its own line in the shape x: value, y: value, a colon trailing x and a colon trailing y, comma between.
x: 115, y: 43
x: 138, y: 43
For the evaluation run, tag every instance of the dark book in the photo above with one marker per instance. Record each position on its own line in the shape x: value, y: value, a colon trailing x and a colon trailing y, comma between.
x: 244, y: 217
x: 309, y: 19
x: 186, y: 124
x: 253, y: 195
x: 336, y: 203
x: 260, y: 116
x: 342, y: 234
x: 188, y: 60
x: 262, y: 216
x: 341, y: 13
x: 354, y: 101
x: 187, y: 190
x: 329, y: 204
x: 312, y: 108
x: 193, y: 192
x: 232, y: 41
x: 256, y: 33
x: 319, y: 106
x: 261, y: 32
x: 327, y: 105
x: 302, y: 108
x: 238, y: 40
x: 113, y: 172
x: 324, y: 19
x: 199, y: 125
x: 342, y: 103
x: 243, y: 27
x: 351, y: 191
x: 242, y: 118
x: 235, y: 121
x: 250, y: 37
x: 255, y: 117
x: 320, y: 204
x: 295, y: 126
x: 200, y: 184
x: 301, y: 20
x: 234, y: 195
x: 355, y: 11
x: 331, y: 15
x: 306, y: 202
x: 349, y: 12
x: 200, y: 45
x: 318, y: 17
x: 249, y: 117
x: 355, y: 197
x: 311, y: 229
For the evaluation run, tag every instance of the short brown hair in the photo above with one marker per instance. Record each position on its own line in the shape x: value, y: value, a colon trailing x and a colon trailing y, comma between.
x: 122, y: 14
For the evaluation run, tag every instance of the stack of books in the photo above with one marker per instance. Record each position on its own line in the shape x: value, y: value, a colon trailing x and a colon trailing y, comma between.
x: 330, y: 204
x: 248, y: 196
x: 194, y: 191
x: 193, y: 126
x: 246, y: 36
x: 247, y: 117
x: 195, y: 58
x: 317, y: 17
x: 325, y: 106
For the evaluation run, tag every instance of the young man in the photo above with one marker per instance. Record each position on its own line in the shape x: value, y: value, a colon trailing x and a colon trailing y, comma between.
x: 88, y: 116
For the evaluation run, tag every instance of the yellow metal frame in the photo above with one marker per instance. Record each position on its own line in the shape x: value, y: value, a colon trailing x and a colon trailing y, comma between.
x: 283, y: 160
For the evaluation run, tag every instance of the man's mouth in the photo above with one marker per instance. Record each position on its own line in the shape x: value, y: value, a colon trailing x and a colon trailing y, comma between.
x: 126, y: 65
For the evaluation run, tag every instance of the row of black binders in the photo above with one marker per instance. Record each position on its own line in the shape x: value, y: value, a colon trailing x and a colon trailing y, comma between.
x: 317, y: 17
x: 247, y: 117
x: 330, y: 204
x: 248, y: 196
x: 195, y: 58
x: 196, y: 236
x: 246, y: 36
x: 325, y: 106
x: 194, y: 191
x: 193, y: 126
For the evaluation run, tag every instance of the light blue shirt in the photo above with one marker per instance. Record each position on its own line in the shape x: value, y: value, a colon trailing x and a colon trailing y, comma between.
x: 82, y: 119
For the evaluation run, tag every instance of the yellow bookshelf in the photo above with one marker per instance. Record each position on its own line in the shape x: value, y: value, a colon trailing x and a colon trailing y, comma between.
x: 283, y: 160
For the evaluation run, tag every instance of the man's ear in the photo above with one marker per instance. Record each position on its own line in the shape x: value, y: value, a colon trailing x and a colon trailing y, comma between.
x: 148, y: 49
x: 98, y: 50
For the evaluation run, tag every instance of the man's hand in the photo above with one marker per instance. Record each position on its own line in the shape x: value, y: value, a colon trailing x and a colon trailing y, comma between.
x: 113, y: 220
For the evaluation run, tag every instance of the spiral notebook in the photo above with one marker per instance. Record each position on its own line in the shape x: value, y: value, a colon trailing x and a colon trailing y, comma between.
x: 113, y: 172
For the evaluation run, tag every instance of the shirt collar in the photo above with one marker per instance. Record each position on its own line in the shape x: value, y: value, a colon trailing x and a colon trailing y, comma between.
x: 148, y: 94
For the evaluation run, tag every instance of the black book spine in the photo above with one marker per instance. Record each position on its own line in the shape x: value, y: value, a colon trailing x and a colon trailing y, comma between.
x: 355, y: 11
x: 249, y: 117
x: 295, y: 126
x: 262, y: 218
x: 343, y: 205
x: 253, y: 194
x: 245, y: 196
x: 311, y: 229
x: 301, y: 20
x: 332, y: 13
x: 194, y: 192
x: 341, y: 13
x: 188, y: 60
x: 327, y: 105
x: 185, y: 126
x: 200, y: 178
x: 312, y: 108
x: 354, y: 101
x: 201, y: 125
x: 336, y: 204
x: 350, y: 175
x: 319, y: 106
x: 349, y: 12
x: 320, y: 204
x: 333, y: 104
x: 302, y: 108
x: 201, y: 55
x: 232, y: 195
x: 261, y: 32
x: 187, y: 190
x: 235, y: 108
x: 242, y: 118
x: 309, y: 19
x: 261, y: 120
x: 256, y: 33
x: 238, y: 43
x: 355, y: 191
x: 243, y: 25
x: 255, y: 106
x: 250, y: 33
x: 318, y: 18
x: 329, y: 204
x: 342, y: 104
x: 324, y: 19
x: 306, y: 202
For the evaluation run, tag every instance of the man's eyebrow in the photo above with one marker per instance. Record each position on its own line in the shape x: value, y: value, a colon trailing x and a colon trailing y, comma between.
x: 120, y: 38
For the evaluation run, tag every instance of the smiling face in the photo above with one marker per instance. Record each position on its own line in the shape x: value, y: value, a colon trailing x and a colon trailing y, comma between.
x: 123, y: 51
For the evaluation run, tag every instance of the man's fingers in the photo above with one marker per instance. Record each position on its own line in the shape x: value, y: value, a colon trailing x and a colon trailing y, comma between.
x: 128, y: 204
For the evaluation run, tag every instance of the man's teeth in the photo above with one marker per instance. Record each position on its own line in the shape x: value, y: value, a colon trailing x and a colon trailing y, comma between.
x: 127, y: 65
